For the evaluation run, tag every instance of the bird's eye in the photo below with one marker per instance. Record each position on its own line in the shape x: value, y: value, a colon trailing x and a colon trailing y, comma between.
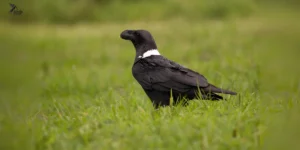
x: 136, y: 33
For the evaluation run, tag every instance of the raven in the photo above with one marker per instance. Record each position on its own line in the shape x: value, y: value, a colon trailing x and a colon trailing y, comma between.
x: 162, y: 79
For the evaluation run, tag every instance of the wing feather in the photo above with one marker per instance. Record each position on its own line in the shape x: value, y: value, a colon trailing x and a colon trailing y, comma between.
x: 166, y: 75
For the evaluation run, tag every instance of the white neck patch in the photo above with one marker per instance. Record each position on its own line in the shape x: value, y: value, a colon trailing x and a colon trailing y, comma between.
x: 150, y: 53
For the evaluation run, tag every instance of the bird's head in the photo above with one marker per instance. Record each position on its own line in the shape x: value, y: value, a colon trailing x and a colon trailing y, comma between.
x: 141, y: 39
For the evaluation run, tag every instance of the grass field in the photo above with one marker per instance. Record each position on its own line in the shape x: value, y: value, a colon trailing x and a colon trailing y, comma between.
x: 83, y: 95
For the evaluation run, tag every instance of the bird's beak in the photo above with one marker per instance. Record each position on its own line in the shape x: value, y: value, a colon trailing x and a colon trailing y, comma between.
x: 127, y: 35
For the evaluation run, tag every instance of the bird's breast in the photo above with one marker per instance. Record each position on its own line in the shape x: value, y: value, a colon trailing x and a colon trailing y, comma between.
x: 140, y: 70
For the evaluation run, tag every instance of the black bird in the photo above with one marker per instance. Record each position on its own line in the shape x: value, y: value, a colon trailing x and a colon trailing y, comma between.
x: 159, y: 77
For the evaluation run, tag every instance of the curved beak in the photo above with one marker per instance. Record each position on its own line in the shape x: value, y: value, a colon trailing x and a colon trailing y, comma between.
x: 127, y: 35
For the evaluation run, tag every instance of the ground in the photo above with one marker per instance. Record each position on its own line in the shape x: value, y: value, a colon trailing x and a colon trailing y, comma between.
x: 90, y: 100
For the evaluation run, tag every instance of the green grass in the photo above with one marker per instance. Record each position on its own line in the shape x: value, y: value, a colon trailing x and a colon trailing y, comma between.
x: 71, y: 12
x: 79, y: 92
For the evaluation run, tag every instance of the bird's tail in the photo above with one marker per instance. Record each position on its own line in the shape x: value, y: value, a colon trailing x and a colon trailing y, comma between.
x: 212, y: 88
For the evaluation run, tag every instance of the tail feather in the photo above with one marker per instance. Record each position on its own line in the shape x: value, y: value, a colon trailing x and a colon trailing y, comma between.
x: 212, y: 88
x: 211, y: 96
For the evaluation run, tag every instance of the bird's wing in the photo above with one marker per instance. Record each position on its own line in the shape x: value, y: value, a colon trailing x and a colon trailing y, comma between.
x: 166, y: 75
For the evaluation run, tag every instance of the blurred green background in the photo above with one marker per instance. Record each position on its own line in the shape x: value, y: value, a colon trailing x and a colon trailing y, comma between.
x: 70, y: 51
